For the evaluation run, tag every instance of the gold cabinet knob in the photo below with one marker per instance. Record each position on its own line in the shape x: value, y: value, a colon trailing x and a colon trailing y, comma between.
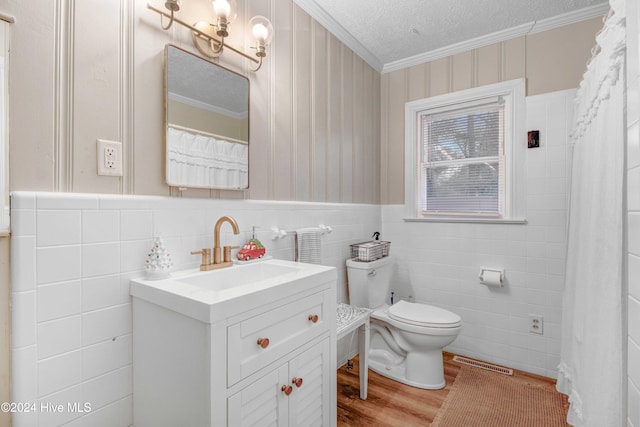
x: 313, y: 318
x: 297, y: 381
x: 263, y: 342
x: 287, y: 389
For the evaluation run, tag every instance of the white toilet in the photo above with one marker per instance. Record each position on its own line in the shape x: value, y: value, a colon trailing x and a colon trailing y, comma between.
x: 406, y: 338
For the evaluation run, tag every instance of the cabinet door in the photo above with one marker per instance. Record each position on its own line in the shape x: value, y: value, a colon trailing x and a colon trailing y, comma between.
x: 310, y: 402
x: 263, y: 403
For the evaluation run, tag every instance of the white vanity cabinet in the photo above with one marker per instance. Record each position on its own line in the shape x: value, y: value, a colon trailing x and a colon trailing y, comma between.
x: 265, y: 357
x: 294, y: 394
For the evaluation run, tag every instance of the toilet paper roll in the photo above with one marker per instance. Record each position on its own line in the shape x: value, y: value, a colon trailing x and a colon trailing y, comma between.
x: 491, y: 277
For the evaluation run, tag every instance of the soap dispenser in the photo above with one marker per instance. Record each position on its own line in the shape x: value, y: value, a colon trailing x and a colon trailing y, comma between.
x: 252, y: 249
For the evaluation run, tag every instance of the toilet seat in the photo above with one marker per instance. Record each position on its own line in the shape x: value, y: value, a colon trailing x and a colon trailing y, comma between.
x: 424, y: 315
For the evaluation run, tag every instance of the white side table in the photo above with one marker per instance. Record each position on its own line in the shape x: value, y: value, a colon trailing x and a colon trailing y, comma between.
x: 348, y: 320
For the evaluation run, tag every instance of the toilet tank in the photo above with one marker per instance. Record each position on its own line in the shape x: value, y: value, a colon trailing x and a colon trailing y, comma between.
x: 369, y: 282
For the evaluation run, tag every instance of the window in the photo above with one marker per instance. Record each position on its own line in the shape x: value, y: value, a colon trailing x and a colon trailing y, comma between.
x: 461, y: 153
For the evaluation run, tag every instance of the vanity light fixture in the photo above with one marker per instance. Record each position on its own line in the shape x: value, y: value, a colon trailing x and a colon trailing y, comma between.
x: 173, y: 6
x: 209, y: 38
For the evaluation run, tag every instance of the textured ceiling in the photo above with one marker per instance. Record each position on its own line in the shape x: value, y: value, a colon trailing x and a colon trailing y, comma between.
x: 396, y: 30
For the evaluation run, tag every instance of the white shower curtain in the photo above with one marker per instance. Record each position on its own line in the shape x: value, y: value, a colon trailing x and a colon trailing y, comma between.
x: 592, y: 361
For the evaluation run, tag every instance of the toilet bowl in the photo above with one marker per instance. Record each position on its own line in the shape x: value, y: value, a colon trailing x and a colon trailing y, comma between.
x: 406, y: 338
x: 420, y: 331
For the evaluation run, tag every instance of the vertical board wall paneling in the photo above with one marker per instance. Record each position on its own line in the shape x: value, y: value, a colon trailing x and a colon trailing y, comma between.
x: 368, y: 133
x: 32, y: 155
x: 514, y: 59
x: 320, y: 112
x: 488, y: 64
x: 261, y: 118
x: 417, y: 83
x: 302, y: 99
x: 394, y: 157
x: 384, y: 137
x: 334, y: 149
x: 377, y: 136
x: 303, y: 102
x: 127, y: 87
x: 347, y: 124
x: 148, y: 156
x: 462, y: 71
x: 357, y: 132
x: 283, y: 81
x: 96, y: 77
x: 440, y: 76
x: 570, y: 51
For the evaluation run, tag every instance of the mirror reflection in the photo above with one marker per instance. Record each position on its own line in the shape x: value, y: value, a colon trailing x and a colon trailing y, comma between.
x: 207, y: 121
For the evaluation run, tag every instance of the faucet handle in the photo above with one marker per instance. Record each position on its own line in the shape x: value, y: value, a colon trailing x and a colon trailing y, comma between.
x: 227, y: 253
x: 206, y: 256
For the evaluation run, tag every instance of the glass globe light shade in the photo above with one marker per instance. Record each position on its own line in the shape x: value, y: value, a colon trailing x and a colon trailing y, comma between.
x: 225, y: 9
x: 261, y: 29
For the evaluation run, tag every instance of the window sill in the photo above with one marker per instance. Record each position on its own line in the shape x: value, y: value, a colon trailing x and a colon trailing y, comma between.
x: 470, y: 220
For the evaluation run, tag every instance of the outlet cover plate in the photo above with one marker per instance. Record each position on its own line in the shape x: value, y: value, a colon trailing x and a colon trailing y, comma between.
x: 536, y: 324
x: 109, y: 157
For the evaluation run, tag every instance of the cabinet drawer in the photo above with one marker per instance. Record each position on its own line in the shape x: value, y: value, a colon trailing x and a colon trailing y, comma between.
x: 255, y: 342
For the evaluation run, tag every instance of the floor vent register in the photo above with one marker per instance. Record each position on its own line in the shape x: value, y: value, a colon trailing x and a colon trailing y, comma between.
x: 483, y: 365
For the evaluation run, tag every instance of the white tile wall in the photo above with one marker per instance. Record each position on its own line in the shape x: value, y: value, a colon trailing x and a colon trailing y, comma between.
x: 72, y: 258
x: 438, y: 263
x: 633, y: 206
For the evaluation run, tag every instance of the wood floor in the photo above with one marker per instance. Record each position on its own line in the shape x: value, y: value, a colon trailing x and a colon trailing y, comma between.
x: 390, y: 403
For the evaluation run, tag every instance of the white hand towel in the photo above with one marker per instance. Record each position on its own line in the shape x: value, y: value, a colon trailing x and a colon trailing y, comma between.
x: 308, y: 245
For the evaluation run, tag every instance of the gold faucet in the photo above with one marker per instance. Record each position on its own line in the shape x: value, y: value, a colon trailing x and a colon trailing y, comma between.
x: 218, y: 261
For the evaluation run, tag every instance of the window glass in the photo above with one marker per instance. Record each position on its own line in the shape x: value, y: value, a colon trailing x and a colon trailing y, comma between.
x: 462, y: 154
x: 462, y: 160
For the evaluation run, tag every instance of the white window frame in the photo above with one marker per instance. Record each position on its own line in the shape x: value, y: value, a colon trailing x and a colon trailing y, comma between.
x: 513, y: 94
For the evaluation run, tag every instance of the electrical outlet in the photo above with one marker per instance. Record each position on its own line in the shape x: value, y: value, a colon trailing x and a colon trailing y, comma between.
x: 536, y: 323
x: 109, y: 157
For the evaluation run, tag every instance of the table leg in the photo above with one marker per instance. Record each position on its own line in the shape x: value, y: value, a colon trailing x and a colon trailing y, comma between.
x: 363, y: 350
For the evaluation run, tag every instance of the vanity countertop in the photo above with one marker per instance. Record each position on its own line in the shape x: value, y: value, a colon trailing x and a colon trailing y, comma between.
x: 210, y: 296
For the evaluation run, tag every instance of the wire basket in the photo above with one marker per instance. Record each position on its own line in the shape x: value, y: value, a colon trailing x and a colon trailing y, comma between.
x: 370, y: 251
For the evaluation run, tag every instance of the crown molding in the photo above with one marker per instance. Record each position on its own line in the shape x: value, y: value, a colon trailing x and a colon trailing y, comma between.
x: 571, y: 18
x: 500, y: 36
x: 319, y: 14
x: 464, y: 46
x: 316, y: 12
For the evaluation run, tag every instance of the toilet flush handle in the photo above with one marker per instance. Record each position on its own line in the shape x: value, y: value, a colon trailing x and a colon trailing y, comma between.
x: 372, y: 273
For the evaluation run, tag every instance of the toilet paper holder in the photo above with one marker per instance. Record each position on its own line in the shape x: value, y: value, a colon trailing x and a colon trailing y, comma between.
x: 491, y: 276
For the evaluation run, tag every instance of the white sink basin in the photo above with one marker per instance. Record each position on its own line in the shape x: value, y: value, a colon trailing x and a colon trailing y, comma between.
x: 239, y: 275
x: 215, y: 294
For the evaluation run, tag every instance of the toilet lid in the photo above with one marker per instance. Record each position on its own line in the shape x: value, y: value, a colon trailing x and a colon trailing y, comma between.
x: 424, y: 315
